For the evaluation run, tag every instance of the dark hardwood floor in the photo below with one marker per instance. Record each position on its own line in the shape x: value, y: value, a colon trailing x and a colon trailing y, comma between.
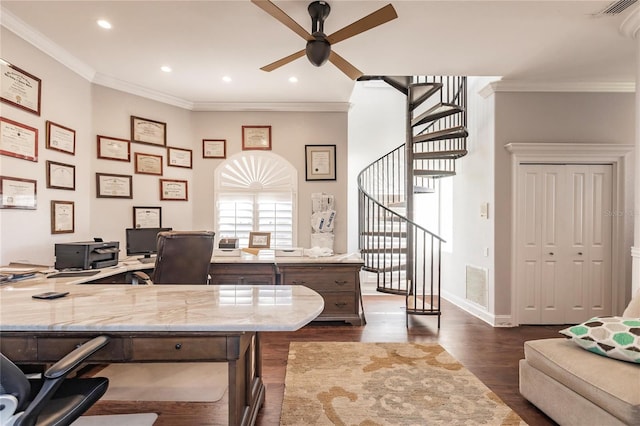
x: 492, y: 354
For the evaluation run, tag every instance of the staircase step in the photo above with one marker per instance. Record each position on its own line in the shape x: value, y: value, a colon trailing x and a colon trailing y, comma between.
x: 450, y: 133
x: 392, y: 234
x: 423, y: 190
x: 436, y: 112
x: 434, y: 173
x: 435, y: 155
x: 384, y: 250
x: 420, y: 92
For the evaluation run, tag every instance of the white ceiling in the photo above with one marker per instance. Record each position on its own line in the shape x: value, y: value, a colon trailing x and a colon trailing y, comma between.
x: 203, y: 41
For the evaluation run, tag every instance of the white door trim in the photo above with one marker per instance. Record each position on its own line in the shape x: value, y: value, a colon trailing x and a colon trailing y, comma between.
x: 574, y: 153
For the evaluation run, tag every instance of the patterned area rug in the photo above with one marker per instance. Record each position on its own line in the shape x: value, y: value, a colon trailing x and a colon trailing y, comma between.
x: 368, y: 384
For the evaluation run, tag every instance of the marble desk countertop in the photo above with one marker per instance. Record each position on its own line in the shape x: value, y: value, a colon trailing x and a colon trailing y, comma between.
x: 154, y: 308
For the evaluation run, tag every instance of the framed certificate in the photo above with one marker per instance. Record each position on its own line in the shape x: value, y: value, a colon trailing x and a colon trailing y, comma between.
x: 147, y: 217
x: 179, y: 157
x: 171, y: 189
x: 61, y: 176
x: 114, y: 148
x: 214, y: 148
x: 320, y: 162
x: 60, y: 138
x: 62, y: 217
x: 17, y: 193
x: 259, y: 239
x: 114, y: 186
x: 148, y: 164
x: 18, y: 140
x: 148, y: 131
x: 19, y: 88
x: 256, y: 137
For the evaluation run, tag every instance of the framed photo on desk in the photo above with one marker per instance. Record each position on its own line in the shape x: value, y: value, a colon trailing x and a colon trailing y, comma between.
x: 260, y: 240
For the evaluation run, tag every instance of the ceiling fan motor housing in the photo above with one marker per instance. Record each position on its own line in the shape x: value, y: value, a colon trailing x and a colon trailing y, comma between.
x: 318, y: 50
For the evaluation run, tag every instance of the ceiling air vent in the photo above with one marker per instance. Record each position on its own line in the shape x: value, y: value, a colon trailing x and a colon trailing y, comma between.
x: 617, y: 7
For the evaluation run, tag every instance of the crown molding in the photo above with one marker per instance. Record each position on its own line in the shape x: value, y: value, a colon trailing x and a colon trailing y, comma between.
x: 22, y: 30
x: 631, y: 24
x: 535, y: 86
x: 273, y: 106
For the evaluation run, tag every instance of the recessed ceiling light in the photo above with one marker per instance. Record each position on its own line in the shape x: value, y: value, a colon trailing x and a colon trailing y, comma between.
x: 166, y: 68
x: 226, y: 79
x: 104, y: 24
x: 293, y: 79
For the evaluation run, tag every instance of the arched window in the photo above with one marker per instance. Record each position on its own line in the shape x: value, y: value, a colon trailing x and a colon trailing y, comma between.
x: 256, y: 191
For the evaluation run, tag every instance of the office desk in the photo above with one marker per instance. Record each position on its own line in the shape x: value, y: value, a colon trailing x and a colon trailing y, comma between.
x: 175, y: 323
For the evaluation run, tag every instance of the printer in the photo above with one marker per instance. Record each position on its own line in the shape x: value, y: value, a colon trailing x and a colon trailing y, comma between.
x: 86, y: 255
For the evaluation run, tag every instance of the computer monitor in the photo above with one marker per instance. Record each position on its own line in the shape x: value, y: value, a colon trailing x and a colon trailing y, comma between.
x: 142, y: 241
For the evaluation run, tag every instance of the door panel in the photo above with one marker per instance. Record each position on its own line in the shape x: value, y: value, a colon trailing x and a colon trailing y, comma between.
x: 564, y: 242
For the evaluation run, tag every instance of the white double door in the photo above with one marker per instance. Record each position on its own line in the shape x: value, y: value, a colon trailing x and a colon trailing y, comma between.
x: 564, y: 229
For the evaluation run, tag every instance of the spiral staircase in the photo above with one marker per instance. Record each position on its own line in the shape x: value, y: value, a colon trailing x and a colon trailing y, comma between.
x: 404, y: 256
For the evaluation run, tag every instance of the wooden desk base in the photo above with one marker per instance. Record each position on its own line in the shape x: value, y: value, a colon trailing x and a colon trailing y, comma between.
x: 241, y: 350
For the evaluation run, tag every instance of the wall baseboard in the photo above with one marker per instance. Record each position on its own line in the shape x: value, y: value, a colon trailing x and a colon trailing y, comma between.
x: 479, y: 312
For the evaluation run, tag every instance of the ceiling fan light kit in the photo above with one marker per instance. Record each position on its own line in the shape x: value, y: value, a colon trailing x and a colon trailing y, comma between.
x: 318, y: 48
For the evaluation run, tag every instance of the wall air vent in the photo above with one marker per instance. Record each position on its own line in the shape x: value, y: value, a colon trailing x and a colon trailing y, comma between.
x: 617, y: 7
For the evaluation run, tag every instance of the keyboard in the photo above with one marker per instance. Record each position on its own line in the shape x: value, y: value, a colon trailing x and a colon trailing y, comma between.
x: 66, y: 274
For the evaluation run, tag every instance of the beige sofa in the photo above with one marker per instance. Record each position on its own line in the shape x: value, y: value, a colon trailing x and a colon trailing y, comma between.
x: 576, y: 387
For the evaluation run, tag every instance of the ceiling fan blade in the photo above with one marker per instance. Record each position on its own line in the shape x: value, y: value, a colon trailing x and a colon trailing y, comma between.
x: 284, y: 61
x: 372, y: 20
x: 344, y: 66
x: 277, y: 13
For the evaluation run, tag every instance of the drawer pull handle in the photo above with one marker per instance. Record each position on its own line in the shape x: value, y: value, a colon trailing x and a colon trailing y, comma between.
x: 178, y: 346
x: 341, y: 304
x: 299, y: 282
x: 340, y: 282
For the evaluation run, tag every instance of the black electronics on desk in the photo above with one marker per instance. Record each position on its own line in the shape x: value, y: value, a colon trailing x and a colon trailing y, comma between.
x: 228, y: 243
x: 143, y: 241
x: 86, y: 255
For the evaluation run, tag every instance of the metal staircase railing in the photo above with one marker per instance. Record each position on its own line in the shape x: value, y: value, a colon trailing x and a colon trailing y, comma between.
x: 405, y: 256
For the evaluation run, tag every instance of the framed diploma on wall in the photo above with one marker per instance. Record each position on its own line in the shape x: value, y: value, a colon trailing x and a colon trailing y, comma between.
x: 144, y: 130
x: 60, y: 138
x: 114, y: 186
x: 114, y: 148
x: 19, y: 88
x: 320, y: 162
x: 62, y: 217
x: 147, y: 217
x: 18, y: 140
x: 214, y: 148
x: 256, y: 137
x: 171, y: 189
x: 179, y: 157
x: 148, y: 164
x: 17, y: 193
x: 61, y: 176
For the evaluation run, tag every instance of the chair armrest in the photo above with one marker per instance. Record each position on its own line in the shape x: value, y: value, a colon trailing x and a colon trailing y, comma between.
x: 75, y: 358
x: 143, y: 277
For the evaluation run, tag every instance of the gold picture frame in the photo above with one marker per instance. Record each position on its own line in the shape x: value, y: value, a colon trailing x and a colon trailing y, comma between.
x: 260, y: 240
x: 147, y: 164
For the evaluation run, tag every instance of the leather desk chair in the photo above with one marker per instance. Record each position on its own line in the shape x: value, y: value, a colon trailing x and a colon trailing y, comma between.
x: 183, y: 258
x: 53, y: 400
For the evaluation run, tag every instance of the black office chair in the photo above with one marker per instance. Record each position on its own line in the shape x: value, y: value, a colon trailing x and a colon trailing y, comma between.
x: 183, y: 258
x: 54, y: 399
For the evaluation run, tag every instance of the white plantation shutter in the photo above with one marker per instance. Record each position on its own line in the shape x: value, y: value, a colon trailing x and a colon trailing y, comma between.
x: 256, y: 192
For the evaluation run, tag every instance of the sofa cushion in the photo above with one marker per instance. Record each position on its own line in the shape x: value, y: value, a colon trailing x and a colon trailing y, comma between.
x: 615, y: 337
x: 633, y: 309
x: 610, y: 384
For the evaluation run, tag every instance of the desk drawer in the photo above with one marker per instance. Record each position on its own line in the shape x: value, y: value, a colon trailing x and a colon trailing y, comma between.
x: 179, y: 348
x: 338, y: 304
x: 321, y: 279
x: 19, y: 349
x: 53, y: 349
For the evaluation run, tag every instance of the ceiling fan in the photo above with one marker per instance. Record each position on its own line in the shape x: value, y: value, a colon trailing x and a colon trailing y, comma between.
x: 319, y: 44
